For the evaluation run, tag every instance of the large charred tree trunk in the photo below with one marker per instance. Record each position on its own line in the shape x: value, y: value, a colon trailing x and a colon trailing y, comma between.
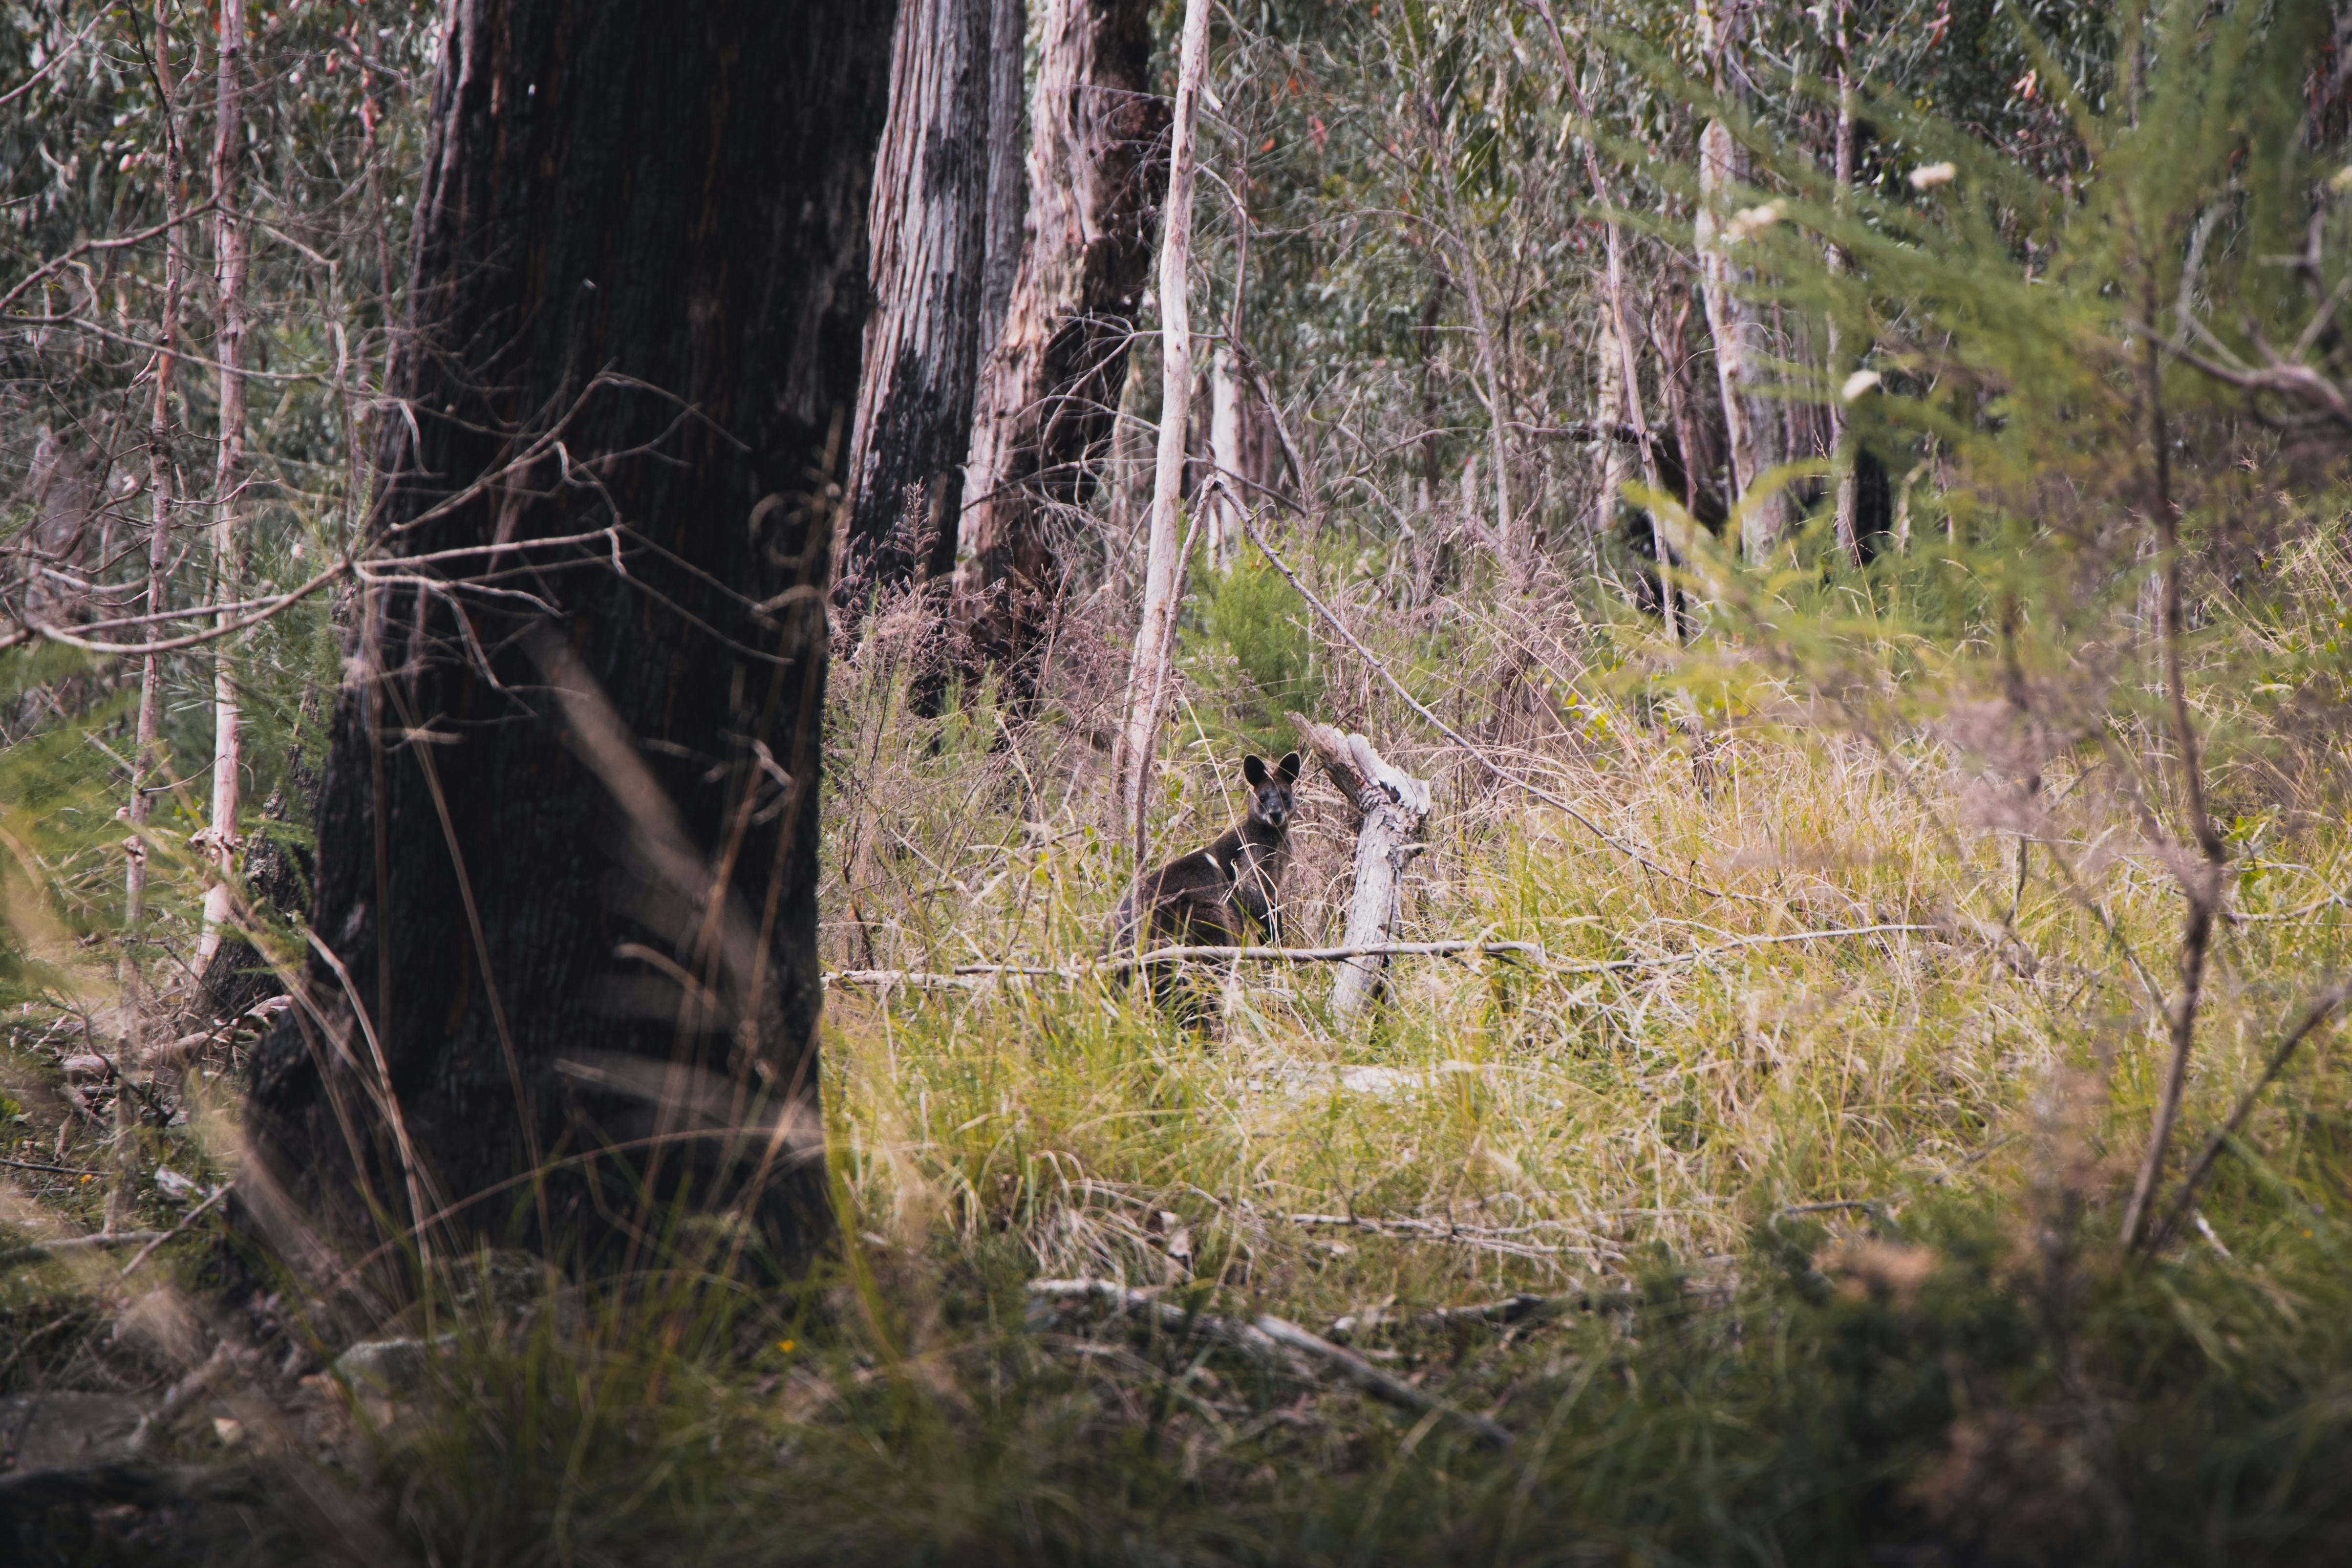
x: 567, y: 845
x: 929, y: 232
x: 1049, y: 395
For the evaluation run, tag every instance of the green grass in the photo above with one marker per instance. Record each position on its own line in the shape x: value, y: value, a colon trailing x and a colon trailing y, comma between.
x: 1830, y: 1222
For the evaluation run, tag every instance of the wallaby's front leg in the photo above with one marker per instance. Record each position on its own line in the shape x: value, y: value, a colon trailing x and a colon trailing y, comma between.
x: 1250, y: 894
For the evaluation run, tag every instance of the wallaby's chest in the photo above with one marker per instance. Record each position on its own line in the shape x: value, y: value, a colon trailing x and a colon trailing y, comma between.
x: 1251, y: 860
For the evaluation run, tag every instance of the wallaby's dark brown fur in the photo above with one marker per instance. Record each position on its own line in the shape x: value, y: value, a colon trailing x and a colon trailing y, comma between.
x: 1199, y: 900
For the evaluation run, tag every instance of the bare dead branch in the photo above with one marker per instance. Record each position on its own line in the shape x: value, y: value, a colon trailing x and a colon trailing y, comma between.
x: 1262, y: 1340
x: 2322, y: 1008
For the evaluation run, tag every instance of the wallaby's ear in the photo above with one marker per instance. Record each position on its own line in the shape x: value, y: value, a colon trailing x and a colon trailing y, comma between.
x: 1253, y: 770
x: 1286, y: 770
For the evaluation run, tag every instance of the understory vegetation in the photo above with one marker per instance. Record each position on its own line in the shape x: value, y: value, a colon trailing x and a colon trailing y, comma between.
x: 1899, y: 1112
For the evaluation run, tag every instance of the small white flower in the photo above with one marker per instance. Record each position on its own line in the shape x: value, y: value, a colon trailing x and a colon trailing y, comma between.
x: 1857, y: 384
x: 1929, y: 176
x: 1748, y: 222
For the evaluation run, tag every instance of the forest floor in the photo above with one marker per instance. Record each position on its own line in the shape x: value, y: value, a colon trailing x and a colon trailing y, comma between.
x: 1770, y: 1214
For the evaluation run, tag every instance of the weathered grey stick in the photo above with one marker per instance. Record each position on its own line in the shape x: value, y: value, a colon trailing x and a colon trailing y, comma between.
x: 96, y: 1238
x: 970, y: 976
x: 1264, y: 1340
x: 190, y: 1218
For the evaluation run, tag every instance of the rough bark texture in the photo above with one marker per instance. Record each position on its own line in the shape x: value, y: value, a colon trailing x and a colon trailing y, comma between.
x: 1008, y: 180
x: 928, y: 223
x: 567, y: 844
x: 1049, y: 395
x: 1390, y: 806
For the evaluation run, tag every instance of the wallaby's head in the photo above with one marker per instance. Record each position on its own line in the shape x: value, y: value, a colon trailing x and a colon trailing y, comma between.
x: 1270, y: 791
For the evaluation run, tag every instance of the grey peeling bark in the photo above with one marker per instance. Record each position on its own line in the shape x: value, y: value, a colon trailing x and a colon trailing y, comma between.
x: 928, y: 223
x: 567, y: 858
x: 1049, y: 395
x: 1390, y: 806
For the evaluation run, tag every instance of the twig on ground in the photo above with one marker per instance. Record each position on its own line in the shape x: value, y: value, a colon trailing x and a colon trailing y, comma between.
x: 1264, y: 1339
x: 968, y: 976
x: 25, y: 1493
x: 193, y: 1215
x: 84, y: 1243
x: 178, y: 1398
x: 35, y: 1166
x: 1523, y: 1308
x: 1385, y: 1224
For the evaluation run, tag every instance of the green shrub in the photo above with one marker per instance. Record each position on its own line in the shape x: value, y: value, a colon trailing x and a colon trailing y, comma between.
x: 1247, y: 643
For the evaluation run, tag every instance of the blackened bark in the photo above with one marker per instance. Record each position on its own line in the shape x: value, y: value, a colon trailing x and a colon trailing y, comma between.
x: 929, y: 227
x: 1049, y: 395
x: 1008, y: 164
x: 637, y: 304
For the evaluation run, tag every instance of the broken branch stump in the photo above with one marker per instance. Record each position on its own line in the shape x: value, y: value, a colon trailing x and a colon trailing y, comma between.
x: 1390, y: 806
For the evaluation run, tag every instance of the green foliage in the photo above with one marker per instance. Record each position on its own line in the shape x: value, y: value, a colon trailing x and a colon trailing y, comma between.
x: 1247, y: 642
x: 1812, y: 1127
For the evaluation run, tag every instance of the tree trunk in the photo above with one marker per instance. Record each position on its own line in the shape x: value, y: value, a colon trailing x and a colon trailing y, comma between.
x: 1620, y: 320
x: 1739, y: 338
x: 1391, y: 805
x: 1163, y: 579
x: 1512, y: 538
x: 144, y: 755
x: 1048, y: 397
x: 640, y: 236
x: 1848, y: 468
x: 1724, y: 166
x: 928, y: 225
x: 228, y: 476
x: 1008, y: 183
x: 1612, y: 464
x: 1663, y: 549
x: 1228, y: 405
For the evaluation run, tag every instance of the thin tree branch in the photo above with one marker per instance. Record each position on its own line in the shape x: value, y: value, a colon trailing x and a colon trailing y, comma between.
x: 2323, y: 1007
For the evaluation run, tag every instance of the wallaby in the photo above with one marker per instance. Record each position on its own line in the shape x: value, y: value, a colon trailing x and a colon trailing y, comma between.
x: 1199, y: 900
